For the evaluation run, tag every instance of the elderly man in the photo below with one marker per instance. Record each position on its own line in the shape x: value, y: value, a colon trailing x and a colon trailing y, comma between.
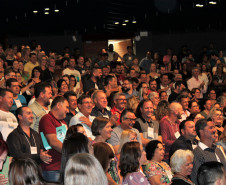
x: 148, y: 128
x: 8, y: 121
x: 187, y: 139
x: 52, y: 125
x: 24, y: 142
x: 119, y: 100
x: 84, y: 117
x: 40, y: 107
x: 169, y: 126
x: 197, y: 82
x: 128, y: 119
x: 100, y: 101
x: 206, y: 150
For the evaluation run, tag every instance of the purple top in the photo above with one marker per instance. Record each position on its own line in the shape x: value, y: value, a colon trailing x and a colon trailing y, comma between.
x: 135, y: 178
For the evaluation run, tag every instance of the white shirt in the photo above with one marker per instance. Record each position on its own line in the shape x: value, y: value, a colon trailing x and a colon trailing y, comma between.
x: 194, y: 83
x: 8, y: 123
x: 184, y: 115
x: 75, y: 120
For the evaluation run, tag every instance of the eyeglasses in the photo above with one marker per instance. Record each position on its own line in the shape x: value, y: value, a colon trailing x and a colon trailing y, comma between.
x: 87, y: 102
x: 131, y: 119
x: 122, y: 99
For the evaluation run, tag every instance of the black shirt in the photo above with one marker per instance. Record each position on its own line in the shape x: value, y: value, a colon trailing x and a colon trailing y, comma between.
x: 97, y: 112
x: 181, y: 143
x: 19, y: 144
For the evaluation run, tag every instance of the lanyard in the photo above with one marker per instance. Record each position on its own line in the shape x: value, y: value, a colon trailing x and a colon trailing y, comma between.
x: 28, y: 140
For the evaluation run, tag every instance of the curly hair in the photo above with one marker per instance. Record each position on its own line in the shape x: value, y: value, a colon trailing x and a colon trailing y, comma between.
x: 162, y: 109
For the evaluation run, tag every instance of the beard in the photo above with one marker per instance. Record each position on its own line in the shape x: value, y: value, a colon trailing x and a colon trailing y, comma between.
x: 125, y: 89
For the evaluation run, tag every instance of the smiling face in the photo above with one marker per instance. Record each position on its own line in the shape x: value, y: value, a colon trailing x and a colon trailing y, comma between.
x: 64, y: 87
x: 159, y: 153
x: 101, y: 100
x: 106, y: 131
x: 86, y: 107
x: 128, y: 121
x: 27, y: 116
x: 147, y: 110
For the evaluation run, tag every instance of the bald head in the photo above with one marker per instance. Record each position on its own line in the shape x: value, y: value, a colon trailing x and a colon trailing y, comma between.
x: 176, y: 110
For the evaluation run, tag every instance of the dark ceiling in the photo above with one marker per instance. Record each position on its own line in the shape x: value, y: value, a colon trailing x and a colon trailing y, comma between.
x: 98, y: 16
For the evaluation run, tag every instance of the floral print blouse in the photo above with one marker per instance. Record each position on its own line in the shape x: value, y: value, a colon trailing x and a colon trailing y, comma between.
x: 153, y: 168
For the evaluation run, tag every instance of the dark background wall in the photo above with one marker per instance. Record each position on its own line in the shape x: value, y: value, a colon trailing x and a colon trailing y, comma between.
x: 156, y: 42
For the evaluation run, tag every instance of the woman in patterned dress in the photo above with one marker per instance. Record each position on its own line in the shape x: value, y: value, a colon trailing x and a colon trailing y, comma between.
x: 157, y: 171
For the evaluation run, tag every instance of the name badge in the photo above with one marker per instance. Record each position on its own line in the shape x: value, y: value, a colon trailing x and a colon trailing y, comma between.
x: 33, y: 150
x: 220, y: 81
x: 18, y: 103
x: 177, y: 134
x: 150, y: 132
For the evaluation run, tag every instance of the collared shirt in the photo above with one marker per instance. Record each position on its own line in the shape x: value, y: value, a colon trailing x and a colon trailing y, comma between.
x: 19, y: 144
x: 202, y: 154
x: 75, y: 120
x: 38, y: 111
x: 204, y: 147
x: 98, y: 112
x: 144, y: 126
x: 182, y: 143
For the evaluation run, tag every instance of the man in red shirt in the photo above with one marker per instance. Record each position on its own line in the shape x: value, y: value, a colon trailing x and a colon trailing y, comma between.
x: 119, y: 105
x: 48, y: 125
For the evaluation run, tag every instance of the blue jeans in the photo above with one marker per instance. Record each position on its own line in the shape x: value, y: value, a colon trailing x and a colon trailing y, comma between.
x: 51, y: 176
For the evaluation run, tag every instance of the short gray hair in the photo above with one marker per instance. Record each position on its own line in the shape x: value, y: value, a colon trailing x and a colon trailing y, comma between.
x: 152, y: 94
x: 118, y: 94
x: 179, y: 158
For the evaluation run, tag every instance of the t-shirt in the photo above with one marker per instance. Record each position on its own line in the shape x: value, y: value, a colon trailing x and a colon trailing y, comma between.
x: 8, y: 123
x: 17, y: 103
x: 28, y: 67
x: 48, y: 125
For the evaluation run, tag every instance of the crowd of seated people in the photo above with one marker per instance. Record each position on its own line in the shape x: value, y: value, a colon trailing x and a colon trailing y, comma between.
x: 111, y: 119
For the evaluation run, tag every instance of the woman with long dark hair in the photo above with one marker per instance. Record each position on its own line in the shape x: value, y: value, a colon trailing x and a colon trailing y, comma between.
x: 131, y: 158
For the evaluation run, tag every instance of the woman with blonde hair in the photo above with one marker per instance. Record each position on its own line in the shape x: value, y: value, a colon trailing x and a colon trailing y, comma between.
x: 84, y: 169
x: 132, y: 103
x: 127, y: 136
